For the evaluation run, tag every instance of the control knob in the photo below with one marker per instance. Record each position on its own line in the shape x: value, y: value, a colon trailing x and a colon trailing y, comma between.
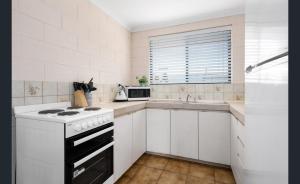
x: 84, y: 125
x: 90, y: 123
x: 77, y: 127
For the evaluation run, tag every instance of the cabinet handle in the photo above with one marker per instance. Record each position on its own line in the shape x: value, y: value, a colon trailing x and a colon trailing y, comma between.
x: 238, y: 137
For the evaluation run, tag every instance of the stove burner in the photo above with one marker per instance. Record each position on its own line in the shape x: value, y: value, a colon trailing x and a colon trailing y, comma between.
x: 67, y: 113
x: 51, y: 111
x: 92, y: 108
x: 74, y: 108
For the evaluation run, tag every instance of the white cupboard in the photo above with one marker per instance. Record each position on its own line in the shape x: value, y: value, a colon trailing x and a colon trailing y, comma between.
x: 237, y: 149
x: 138, y: 134
x: 184, y: 133
x: 130, y: 141
x: 214, y: 137
x: 123, y: 144
x: 158, y: 131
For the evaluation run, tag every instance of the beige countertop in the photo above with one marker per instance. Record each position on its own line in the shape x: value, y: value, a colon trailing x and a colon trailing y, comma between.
x: 237, y: 108
x: 121, y: 108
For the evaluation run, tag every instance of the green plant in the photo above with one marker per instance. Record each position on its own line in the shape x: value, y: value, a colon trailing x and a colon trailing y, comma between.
x: 142, y: 80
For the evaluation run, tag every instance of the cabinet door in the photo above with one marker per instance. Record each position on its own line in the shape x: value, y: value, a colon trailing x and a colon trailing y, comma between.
x: 123, y: 144
x: 214, y: 137
x: 158, y: 131
x: 138, y: 134
x: 184, y: 133
x: 233, y: 146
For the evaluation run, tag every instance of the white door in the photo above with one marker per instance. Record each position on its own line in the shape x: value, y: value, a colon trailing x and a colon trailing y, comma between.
x: 214, y: 137
x: 184, y: 133
x: 123, y: 144
x: 138, y: 134
x: 158, y: 131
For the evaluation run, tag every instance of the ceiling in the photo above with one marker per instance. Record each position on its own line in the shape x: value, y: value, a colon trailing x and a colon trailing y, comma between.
x: 137, y: 15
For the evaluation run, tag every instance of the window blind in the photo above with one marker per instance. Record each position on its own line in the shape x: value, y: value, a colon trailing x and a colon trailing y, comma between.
x: 202, y: 56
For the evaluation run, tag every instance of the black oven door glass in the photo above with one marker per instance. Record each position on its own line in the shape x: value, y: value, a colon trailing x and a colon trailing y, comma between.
x: 96, y: 170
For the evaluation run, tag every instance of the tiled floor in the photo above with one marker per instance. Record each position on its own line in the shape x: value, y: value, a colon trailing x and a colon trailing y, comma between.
x: 150, y: 169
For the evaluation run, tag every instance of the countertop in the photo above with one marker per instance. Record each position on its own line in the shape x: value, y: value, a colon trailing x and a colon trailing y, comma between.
x: 121, y: 108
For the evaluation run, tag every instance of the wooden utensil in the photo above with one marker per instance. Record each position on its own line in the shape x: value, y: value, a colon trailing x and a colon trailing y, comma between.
x: 79, y: 99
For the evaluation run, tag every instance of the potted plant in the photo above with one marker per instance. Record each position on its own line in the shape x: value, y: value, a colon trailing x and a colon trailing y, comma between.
x: 143, y: 81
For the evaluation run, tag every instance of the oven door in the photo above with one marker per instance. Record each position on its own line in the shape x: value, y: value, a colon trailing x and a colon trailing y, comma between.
x: 94, y: 168
x: 89, y: 156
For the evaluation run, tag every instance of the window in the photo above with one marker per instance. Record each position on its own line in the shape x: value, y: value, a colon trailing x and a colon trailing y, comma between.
x: 202, y: 56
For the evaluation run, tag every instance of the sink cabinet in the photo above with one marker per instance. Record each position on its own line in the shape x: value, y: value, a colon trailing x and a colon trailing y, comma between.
x: 214, y: 137
x: 158, y: 130
x: 199, y: 135
x: 184, y: 133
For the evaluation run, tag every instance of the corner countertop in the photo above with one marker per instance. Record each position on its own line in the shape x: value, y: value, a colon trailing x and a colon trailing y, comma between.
x: 122, y: 108
x: 237, y: 108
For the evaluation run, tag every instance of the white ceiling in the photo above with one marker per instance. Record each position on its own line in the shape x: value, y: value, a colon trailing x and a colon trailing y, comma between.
x: 139, y: 15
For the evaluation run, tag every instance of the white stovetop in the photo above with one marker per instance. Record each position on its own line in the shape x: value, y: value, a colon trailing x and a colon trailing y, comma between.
x: 31, y: 112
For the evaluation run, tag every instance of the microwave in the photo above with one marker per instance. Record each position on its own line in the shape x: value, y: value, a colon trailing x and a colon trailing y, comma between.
x: 135, y: 93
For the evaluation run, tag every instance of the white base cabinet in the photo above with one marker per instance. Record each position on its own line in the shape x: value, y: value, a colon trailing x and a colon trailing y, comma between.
x: 138, y: 134
x: 237, y: 149
x: 184, y: 133
x: 130, y: 141
x: 214, y: 137
x: 158, y: 131
x: 123, y: 145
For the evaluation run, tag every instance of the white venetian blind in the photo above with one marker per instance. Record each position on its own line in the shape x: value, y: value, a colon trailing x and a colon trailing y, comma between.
x: 202, y: 56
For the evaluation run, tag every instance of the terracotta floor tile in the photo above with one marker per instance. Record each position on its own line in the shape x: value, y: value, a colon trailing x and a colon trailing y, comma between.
x: 196, y: 180
x: 171, y: 178
x: 123, y: 180
x: 146, y: 175
x: 142, y: 160
x: 201, y: 171
x: 224, y: 176
x: 177, y: 166
x: 157, y: 162
x: 132, y: 170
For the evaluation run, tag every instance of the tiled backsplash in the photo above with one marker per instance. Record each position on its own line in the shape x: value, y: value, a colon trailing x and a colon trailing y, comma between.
x: 199, y: 91
x: 39, y: 92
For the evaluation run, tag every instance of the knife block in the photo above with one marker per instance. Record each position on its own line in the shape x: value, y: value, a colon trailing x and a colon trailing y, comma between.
x: 79, y: 99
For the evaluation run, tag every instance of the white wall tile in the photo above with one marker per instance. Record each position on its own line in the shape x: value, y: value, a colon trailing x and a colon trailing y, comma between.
x: 33, y: 89
x: 17, y: 102
x: 18, y: 88
x: 49, y: 99
x: 49, y: 88
x: 63, y: 98
x: 33, y: 100
x: 63, y: 88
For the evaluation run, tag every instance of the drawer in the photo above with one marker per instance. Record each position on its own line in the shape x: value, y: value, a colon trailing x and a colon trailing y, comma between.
x: 241, y: 131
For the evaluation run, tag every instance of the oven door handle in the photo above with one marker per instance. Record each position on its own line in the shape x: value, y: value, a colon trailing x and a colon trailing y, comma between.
x: 95, y: 153
x: 89, y: 137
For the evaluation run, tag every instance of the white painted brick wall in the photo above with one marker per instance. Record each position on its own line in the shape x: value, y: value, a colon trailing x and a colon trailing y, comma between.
x: 68, y: 40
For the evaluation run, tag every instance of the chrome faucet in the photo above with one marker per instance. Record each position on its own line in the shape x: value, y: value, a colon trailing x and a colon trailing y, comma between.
x: 187, y: 97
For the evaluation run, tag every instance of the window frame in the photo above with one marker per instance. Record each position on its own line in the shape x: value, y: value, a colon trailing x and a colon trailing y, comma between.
x: 205, y: 30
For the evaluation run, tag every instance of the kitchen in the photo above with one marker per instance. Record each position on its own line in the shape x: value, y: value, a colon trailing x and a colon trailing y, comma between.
x: 112, y: 92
